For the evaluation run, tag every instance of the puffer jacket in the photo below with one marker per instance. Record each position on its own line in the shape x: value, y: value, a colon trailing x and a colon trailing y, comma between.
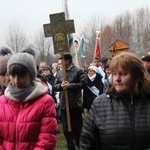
x: 117, y: 123
x: 28, y: 125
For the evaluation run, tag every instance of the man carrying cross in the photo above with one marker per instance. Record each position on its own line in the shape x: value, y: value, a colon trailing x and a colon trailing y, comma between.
x: 75, y: 81
x: 69, y: 81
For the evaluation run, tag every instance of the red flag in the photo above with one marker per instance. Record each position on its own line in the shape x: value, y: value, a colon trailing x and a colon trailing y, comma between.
x: 97, y: 51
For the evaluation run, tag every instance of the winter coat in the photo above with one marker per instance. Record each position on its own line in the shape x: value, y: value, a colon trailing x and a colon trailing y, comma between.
x: 49, y: 80
x: 28, y: 125
x: 117, y: 123
x: 88, y: 95
x: 2, y: 89
x: 76, y: 78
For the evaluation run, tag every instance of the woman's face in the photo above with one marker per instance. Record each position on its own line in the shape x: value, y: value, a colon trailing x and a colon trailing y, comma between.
x: 122, y: 80
x: 4, y: 79
x: 45, y: 72
x: 20, y: 81
x: 91, y: 72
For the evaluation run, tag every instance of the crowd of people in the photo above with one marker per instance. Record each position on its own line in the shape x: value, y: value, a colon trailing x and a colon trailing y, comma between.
x: 109, y: 102
x: 27, y: 112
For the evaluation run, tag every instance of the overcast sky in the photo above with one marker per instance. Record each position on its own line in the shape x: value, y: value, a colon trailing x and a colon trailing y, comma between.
x: 32, y: 14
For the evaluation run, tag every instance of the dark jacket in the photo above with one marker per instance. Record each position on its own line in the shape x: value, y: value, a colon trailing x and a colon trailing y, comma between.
x: 2, y: 89
x: 50, y: 79
x: 117, y: 123
x: 88, y: 95
x: 76, y: 77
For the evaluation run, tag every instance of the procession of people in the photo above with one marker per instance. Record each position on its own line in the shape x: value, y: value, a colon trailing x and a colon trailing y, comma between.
x: 102, y: 104
x: 33, y: 102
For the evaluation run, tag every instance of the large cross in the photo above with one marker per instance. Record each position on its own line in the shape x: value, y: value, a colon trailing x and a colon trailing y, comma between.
x: 58, y: 29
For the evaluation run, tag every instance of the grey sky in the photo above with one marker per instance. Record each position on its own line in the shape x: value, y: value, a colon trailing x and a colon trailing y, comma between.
x: 32, y: 14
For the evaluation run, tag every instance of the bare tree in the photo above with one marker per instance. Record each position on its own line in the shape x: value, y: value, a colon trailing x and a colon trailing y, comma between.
x: 44, y: 47
x: 89, y: 33
x: 106, y: 39
x: 15, y: 37
x: 140, y: 31
x: 122, y: 27
x: 132, y: 28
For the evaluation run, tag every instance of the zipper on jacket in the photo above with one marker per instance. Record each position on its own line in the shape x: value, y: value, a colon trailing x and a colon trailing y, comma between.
x: 132, y: 101
x: 132, y: 123
x: 17, y: 126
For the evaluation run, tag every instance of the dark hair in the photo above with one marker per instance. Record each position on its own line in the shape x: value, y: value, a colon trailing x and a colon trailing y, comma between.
x: 18, y: 69
x: 104, y: 59
x: 75, y: 41
x: 66, y: 56
x: 97, y: 59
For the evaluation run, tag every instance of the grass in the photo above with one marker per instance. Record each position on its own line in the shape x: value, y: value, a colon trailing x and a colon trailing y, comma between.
x: 61, y: 141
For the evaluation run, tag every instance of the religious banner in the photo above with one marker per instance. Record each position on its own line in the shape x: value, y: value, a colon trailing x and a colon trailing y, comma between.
x: 97, y: 50
x: 80, y: 52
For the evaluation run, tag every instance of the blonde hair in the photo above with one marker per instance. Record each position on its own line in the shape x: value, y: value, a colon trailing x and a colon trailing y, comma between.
x: 132, y: 63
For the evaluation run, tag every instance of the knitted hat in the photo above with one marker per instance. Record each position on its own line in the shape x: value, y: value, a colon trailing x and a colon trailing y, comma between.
x: 26, y: 60
x: 93, y: 68
x: 30, y: 51
x: 5, y: 54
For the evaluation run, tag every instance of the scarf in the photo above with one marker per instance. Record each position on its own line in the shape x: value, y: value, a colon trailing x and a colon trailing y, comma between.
x: 20, y: 94
x: 92, y: 77
x: 94, y: 90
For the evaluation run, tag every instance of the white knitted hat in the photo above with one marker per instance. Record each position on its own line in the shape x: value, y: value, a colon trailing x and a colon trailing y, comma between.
x: 93, y: 68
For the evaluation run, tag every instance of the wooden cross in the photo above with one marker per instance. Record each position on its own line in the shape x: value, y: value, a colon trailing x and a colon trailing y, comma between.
x: 58, y: 29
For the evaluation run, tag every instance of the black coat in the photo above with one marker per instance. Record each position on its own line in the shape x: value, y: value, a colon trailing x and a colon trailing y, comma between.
x: 117, y: 123
x: 50, y: 79
x: 76, y: 77
x: 88, y: 95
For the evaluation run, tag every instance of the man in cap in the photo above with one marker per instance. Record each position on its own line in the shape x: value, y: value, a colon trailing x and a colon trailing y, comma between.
x: 146, y: 62
x: 104, y: 62
x: 75, y: 82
